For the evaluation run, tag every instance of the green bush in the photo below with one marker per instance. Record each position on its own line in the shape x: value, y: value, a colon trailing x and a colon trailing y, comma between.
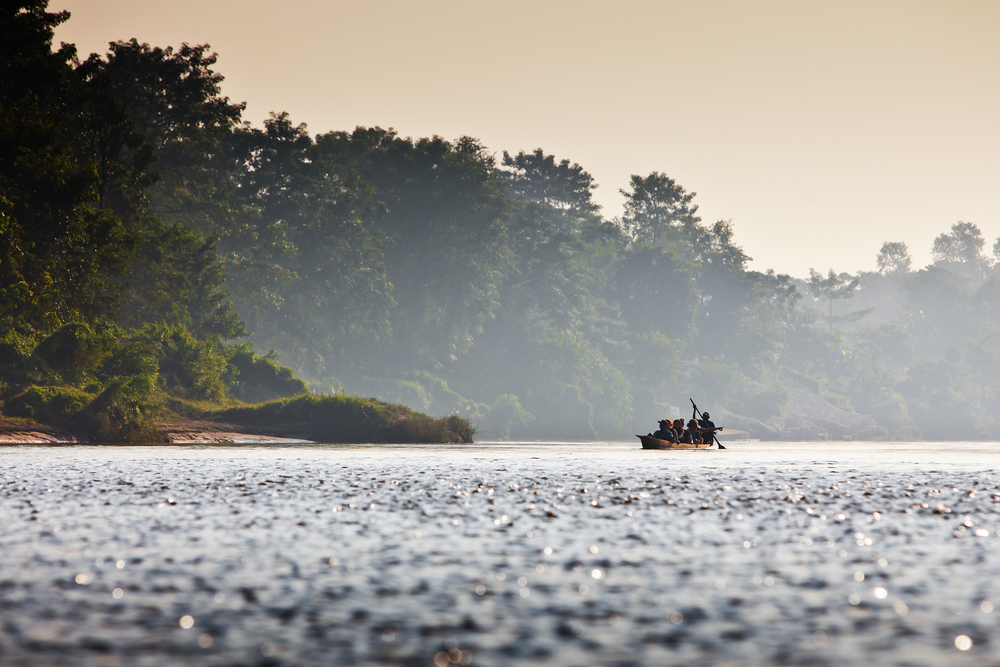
x: 121, y: 413
x: 187, y: 367
x: 410, y: 393
x: 17, y: 363
x: 130, y: 358
x: 124, y: 411
x: 507, y: 413
x: 343, y: 418
x: 55, y: 405
x: 253, y: 378
x: 74, y: 351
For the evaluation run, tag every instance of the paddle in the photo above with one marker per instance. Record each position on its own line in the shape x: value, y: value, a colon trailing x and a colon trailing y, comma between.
x: 697, y: 414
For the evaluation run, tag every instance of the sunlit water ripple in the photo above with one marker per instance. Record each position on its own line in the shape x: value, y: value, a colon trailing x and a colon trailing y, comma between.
x: 527, y: 554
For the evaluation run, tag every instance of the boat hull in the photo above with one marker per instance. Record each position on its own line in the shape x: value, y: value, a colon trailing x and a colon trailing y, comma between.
x: 655, y: 443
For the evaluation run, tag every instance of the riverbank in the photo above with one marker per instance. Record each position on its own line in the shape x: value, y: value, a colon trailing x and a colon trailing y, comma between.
x: 24, y: 432
x: 182, y: 432
x: 302, y: 419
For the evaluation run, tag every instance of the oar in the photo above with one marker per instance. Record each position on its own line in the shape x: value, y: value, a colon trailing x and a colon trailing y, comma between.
x: 698, y: 415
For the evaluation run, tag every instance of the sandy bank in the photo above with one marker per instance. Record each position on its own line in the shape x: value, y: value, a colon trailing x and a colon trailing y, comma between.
x: 14, y: 433
x: 188, y: 432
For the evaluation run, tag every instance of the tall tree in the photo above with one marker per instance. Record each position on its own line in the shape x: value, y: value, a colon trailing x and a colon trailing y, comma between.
x: 657, y: 209
x: 832, y: 288
x: 556, y: 238
x: 551, y: 304
x: 939, y: 305
x: 446, y: 223
x: 58, y: 252
x: 156, y: 124
x: 964, y: 244
x: 176, y: 280
x: 175, y: 110
x: 306, y: 266
x: 894, y: 257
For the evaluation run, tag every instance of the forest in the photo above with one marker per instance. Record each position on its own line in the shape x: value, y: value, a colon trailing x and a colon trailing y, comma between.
x: 159, y: 252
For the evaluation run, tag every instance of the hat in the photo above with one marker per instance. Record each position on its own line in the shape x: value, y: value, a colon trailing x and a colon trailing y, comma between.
x: 704, y: 415
x: 663, y: 421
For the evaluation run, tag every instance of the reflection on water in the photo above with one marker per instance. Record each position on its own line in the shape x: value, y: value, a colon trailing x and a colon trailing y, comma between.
x: 500, y: 553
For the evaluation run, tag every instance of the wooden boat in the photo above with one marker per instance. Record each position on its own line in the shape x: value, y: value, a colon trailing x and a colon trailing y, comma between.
x: 649, y: 442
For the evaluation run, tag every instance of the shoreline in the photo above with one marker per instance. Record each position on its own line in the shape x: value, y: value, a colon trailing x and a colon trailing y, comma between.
x: 188, y: 432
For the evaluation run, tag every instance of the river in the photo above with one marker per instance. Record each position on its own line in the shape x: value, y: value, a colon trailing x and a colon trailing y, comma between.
x: 499, y: 554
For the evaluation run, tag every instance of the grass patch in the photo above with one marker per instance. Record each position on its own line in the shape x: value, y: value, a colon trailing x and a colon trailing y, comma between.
x: 114, y: 416
x: 343, y: 419
x: 49, y: 405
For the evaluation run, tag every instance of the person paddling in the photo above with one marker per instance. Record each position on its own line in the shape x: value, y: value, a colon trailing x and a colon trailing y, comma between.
x: 707, y: 425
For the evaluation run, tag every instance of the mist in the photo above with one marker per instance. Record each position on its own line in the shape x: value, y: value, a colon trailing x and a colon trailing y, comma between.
x: 492, y: 287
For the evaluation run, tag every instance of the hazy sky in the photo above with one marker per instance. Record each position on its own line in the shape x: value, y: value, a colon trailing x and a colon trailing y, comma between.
x: 820, y: 128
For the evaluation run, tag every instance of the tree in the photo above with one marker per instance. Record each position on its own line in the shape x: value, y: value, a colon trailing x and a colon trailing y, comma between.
x: 551, y: 304
x: 177, y: 281
x: 940, y: 310
x: 656, y: 291
x: 833, y: 287
x: 659, y: 209
x: 446, y: 221
x: 964, y: 247
x: 555, y: 238
x: 536, y: 177
x: 60, y: 255
x: 894, y: 257
x: 155, y: 124
x: 305, y: 262
x: 175, y: 111
x: 964, y: 244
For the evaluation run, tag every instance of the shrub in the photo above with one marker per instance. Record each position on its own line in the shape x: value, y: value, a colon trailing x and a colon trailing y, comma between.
x: 188, y: 367
x: 343, y: 418
x: 56, y: 405
x: 74, y: 351
x: 254, y: 379
x: 17, y: 364
x: 123, y: 411
x: 507, y: 413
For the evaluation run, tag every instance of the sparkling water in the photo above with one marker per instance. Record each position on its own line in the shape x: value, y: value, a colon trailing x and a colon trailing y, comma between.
x: 500, y: 554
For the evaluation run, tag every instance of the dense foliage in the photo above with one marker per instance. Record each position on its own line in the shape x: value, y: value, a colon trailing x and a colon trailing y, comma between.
x: 146, y: 230
x: 109, y: 312
x: 342, y: 418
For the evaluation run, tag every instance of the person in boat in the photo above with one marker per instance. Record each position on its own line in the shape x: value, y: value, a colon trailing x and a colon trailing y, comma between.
x: 709, y: 428
x: 665, y: 431
x: 695, y: 432
x: 683, y: 435
x: 706, y: 423
x: 679, y: 429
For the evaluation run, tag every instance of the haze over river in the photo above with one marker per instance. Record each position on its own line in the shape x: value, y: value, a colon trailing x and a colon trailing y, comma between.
x: 500, y: 554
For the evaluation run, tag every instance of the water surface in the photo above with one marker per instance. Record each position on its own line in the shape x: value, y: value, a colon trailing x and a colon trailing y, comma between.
x: 498, y: 554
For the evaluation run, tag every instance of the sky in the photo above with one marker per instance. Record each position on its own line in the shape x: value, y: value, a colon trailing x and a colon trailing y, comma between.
x: 821, y: 129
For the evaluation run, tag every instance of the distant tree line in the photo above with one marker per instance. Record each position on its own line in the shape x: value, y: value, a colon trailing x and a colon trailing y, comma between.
x: 138, y: 206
